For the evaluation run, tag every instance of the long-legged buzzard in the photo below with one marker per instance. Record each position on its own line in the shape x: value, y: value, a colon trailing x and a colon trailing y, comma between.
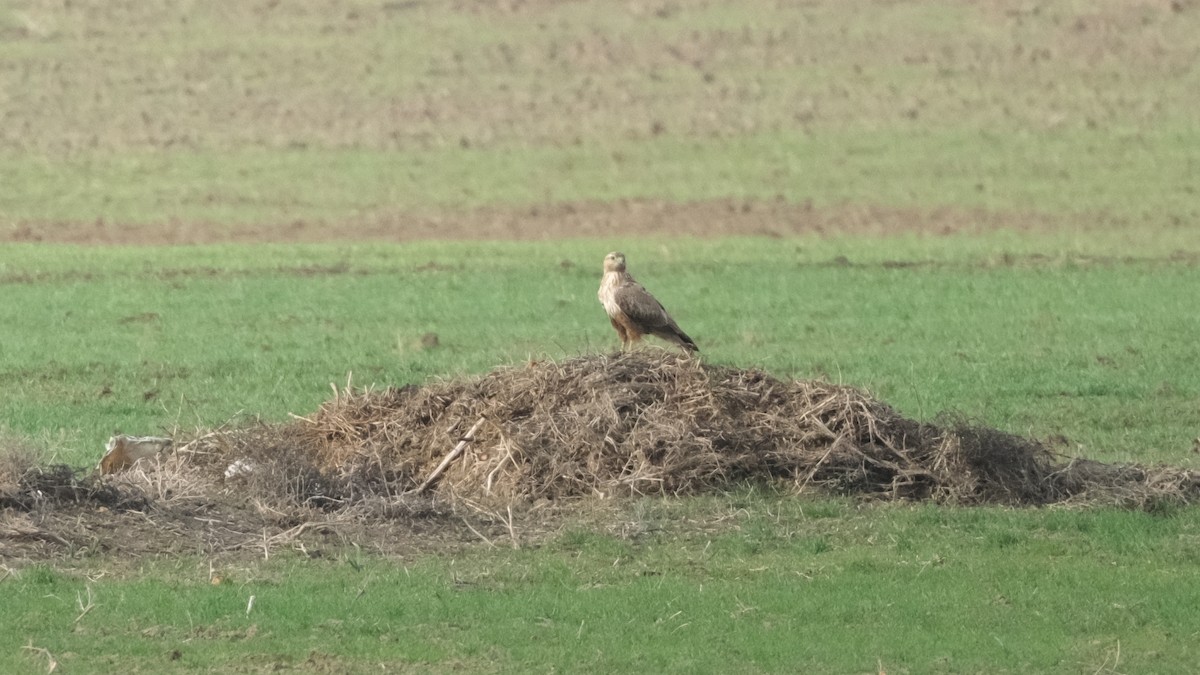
x: 633, y: 311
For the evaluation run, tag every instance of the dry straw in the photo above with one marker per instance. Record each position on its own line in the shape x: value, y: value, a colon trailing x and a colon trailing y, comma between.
x: 648, y: 423
x: 657, y: 423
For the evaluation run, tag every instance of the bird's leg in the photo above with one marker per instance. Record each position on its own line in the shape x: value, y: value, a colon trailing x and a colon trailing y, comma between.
x: 634, y: 338
x: 621, y: 332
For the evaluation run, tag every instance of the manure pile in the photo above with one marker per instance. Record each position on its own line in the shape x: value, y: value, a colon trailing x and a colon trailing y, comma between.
x: 653, y: 423
x: 637, y: 424
x: 383, y: 466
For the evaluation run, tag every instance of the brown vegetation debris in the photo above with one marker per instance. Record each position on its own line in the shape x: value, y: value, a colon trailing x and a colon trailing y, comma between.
x: 649, y: 423
x: 661, y: 424
x: 24, y: 488
x: 415, y: 459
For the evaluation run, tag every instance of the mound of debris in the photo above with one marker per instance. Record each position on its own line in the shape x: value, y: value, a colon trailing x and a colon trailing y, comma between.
x: 380, y: 465
x: 638, y: 424
x: 647, y: 423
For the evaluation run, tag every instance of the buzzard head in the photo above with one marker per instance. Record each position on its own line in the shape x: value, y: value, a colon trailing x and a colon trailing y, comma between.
x: 614, y: 262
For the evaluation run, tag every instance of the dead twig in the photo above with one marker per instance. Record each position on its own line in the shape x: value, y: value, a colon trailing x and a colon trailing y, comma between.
x: 479, y: 534
x: 467, y: 438
x: 29, y: 532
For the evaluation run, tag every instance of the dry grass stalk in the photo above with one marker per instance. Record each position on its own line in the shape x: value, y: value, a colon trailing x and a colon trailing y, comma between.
x: 19, y: 527
x: 51, y: 662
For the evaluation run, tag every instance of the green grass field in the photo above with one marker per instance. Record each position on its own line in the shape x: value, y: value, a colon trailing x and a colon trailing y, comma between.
x: 1042, y: 160
x: 734, y: 583
x: 146, y: 341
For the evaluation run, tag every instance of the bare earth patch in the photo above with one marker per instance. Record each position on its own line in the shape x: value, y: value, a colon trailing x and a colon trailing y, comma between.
x: 412, y: 468
x: 712, y: 218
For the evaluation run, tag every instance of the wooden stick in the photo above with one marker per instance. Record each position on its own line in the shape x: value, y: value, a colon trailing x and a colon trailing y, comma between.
x: 470, y: 436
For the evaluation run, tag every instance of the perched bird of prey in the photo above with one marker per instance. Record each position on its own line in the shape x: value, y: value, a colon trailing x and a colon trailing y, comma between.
x: 633, y: 311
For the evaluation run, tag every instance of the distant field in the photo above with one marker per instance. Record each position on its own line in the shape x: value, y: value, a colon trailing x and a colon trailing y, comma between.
x: 218, y: 119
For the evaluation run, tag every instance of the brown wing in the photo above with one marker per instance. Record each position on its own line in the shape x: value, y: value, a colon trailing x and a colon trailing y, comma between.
x: 643, y: 309
x: 648, y: 314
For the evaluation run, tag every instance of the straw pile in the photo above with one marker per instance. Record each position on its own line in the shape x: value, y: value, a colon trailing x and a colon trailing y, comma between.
x: 648, y: 423
x: 618, y: 425
x: 412, y: 466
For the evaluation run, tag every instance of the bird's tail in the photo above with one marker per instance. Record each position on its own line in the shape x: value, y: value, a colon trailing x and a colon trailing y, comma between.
x: 687, y: 342
x: 673, y: 334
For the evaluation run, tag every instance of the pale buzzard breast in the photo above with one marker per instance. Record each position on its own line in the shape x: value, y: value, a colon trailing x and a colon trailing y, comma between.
x: 608, y: 293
